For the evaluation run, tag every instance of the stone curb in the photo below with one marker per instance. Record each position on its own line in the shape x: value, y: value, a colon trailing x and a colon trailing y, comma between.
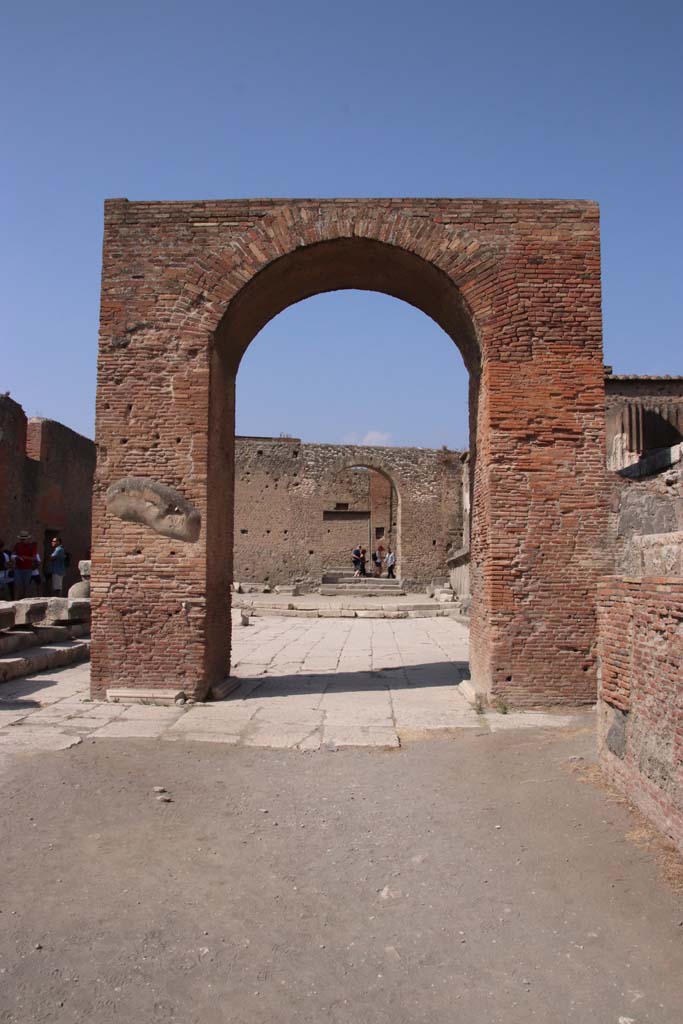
x: 276, y: 611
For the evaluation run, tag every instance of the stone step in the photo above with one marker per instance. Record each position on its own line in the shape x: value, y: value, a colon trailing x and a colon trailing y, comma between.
x: 431, y: 611
x: 20, y: 638
x: 360, y: 584
x: 43, y: 611
x: 39, y: 659
x: 347, y: 572
x: 358, y: 589
x: 330, y: 577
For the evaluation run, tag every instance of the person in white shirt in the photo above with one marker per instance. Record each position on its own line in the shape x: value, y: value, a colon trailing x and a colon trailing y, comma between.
x: 390, y: 562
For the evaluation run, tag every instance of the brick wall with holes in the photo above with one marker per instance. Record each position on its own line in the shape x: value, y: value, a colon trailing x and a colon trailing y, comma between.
x: 640, y: 708
x: 516, y: 284
x: 301, y: 508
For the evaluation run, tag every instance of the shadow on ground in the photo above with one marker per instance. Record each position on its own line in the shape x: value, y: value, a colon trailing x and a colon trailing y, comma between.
x: 408, y: 677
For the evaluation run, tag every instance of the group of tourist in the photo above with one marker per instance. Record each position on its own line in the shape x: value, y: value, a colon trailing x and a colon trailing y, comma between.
x: 380, y: 558
x: 20, y: 568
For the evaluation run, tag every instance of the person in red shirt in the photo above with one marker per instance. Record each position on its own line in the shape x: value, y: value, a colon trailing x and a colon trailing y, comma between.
x: 25, y: 557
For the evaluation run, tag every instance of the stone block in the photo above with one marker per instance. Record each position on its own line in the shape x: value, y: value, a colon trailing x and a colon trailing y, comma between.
x: 144, y: 695
x: 30, y: 610
x: 7, y: 614
x: 79, y: 609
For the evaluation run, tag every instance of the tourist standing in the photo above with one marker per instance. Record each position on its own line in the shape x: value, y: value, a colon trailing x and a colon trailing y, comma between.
x: 390, y: 562
x: 25, y: 557
x: 56, y: 565
x: 6, y: 574
x: 377, y: 562
x: 355, y: 558
x: 363, y: 553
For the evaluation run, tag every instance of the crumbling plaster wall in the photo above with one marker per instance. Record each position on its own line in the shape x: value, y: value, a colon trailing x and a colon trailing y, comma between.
x: 46, y: 481
x: 283, y: 488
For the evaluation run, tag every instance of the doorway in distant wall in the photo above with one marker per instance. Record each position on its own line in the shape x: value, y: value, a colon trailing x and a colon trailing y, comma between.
x: 359, y: 508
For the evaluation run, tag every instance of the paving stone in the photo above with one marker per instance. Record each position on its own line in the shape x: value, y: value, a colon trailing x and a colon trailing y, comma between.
x: 526, y: 720
x: 130, y: 729
x: 203, y: 736
x: 276, y: 736
x: 329, y: 682
x: 22, y: 738
x: 360, y: 736
x: 196, y: 722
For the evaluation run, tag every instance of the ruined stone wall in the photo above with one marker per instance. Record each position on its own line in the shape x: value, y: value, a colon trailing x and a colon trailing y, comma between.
x: 640, y: 719
x: 643, y: 506
x: 46, y: 481
x: 289, y: 526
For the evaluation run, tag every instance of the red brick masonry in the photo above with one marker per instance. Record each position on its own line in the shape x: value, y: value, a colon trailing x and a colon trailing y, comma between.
x: 516, y: 283
x: 640, y: 729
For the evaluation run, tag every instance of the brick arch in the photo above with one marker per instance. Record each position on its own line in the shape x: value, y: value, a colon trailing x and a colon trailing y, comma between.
x: 185, y: 287
x: 219, y: 276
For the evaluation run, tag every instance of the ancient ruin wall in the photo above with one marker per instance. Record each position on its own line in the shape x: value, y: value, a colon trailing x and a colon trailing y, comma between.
x: 46, y: 480
x: 644, y: 506
x: 186, y: 287
x: 287, y: 524
x: 640, y: 720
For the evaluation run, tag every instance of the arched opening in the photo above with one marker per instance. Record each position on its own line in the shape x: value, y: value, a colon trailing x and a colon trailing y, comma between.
x: 345, y: 263
x: 361, y: 508
x: 185, y: 288
x: 356, y: 263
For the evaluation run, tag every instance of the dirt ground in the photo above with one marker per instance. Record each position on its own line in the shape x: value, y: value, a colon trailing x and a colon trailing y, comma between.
x: 475, y: 879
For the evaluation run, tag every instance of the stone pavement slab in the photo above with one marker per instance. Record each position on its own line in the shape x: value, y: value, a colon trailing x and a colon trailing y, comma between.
x: 303, y: 684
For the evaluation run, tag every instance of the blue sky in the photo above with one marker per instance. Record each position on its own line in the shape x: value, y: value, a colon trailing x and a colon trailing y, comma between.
x: 215, y: 100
